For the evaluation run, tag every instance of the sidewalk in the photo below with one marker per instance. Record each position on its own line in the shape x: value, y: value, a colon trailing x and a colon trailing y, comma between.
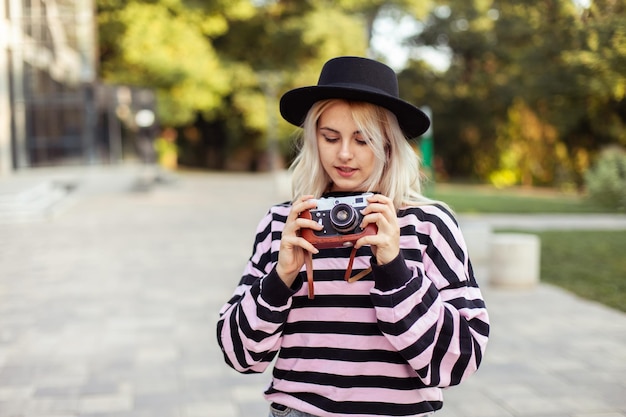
x: 108, y: 308
x: 538, y: 222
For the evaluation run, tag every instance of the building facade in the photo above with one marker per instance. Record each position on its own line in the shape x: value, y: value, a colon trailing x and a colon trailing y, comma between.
x: 51, y: 107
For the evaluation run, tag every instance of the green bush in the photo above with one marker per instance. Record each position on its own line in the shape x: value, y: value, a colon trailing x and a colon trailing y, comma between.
x: 606, y: 180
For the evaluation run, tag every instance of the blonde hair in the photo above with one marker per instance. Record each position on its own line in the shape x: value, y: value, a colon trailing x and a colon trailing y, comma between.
x: 396, y: 172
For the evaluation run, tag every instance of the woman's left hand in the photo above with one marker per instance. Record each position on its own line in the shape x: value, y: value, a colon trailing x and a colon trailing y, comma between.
x: 386, y: 243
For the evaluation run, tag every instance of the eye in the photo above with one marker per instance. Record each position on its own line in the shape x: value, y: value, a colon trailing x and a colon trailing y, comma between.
x: 330, y: 139
x: 360, y: 141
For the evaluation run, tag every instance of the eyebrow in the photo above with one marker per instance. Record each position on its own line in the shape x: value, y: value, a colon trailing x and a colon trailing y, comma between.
x: 356, y: 132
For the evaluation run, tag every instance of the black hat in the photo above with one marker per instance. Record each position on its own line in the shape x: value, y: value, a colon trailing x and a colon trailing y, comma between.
x: 357, y: 79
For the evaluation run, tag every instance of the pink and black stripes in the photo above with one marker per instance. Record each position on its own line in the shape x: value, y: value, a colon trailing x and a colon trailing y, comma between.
x: 384, y: 345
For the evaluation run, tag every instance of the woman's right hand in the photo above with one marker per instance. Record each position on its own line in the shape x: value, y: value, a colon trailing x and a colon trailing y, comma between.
x: 293, y: 246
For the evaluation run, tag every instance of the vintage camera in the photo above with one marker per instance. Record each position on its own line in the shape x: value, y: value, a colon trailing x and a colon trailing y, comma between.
x: 341, y: 217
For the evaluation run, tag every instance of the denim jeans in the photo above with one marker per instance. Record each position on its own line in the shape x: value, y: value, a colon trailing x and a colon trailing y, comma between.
x: 277, y: 410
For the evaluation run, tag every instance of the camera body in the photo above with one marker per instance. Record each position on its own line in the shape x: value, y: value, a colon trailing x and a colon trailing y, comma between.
x: 341, y: 218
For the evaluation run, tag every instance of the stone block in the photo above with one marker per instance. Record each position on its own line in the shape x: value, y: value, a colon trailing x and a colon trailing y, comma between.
x: 514, y: 260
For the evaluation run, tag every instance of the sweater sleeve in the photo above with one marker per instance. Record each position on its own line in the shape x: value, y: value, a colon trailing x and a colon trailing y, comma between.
x: 427, y: 302
x: 251, y: 322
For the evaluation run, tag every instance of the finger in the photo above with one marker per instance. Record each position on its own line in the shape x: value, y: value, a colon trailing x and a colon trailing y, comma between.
x: 378, y: 208
x: 308, y: 224
x: 379, y: 198
x: 303, y: 203
x: 375, y: 218
x: 370, y: 240
x: 294, y: 241
x: 305, y: 199
x: 380, y: 202
x: 364, y: 241
x: 301, y: 243
x: 294, y: 227
x: 293, y: 223
x: 308, y: 246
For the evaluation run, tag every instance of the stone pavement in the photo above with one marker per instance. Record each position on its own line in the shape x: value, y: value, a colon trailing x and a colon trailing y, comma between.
x: 108, y: 308
x: 537, y: 222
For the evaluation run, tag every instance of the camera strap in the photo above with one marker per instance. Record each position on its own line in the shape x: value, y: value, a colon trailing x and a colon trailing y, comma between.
x: 358, y: 276
x: 308, y: 261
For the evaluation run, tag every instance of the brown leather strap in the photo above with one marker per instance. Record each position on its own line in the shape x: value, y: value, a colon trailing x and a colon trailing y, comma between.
x: 358, y: 276
x: 308, y: 262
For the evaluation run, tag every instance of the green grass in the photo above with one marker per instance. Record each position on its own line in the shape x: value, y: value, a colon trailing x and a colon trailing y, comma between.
x: 486, y: 199
x: 590, y: 264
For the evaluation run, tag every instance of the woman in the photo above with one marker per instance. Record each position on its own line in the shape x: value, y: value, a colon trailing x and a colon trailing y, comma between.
x: 384, y: 344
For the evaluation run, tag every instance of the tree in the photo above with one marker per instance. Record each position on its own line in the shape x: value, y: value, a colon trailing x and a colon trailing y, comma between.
x: 597, y: 64
x: 219, y: 66
x: 527, y: 148
x: 465, y: 100
x: 210, y: 61
x: 282, y: 46
x: 163, y: 45
x: 561, y: 62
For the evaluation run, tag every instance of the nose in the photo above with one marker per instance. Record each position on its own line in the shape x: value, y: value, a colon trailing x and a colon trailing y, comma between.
x: 345, y: 151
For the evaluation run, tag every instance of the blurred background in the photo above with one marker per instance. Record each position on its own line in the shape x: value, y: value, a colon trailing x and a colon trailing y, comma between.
x: 111, y: 279
x: 521, y: 93
x: 525, y: 97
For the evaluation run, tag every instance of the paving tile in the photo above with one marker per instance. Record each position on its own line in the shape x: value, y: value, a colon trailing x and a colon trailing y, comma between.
x: 601, y: 415
x: 211, y: 410
x: 105, y: 403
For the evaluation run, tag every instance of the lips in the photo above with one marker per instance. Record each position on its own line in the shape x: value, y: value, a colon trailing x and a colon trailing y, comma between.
x: 345, y: 171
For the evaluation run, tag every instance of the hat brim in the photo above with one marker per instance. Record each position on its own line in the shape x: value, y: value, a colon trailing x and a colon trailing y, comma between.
x: 295, y: 104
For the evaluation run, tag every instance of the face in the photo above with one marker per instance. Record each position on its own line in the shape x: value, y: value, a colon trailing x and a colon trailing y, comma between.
x: 345, y: 155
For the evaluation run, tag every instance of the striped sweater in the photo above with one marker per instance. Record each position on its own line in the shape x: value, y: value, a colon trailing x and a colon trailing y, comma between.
x: 382, y: 346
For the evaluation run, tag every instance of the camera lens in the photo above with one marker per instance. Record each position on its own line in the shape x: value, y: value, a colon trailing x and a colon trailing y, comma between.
x: 343, y: 217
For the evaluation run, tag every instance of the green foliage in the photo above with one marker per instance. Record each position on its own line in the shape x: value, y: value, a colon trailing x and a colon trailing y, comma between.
x: 563, y: 63
x: 209, y: 61
x: 606, y: 180
x: 163, y: 45
x: 528, y: 149
x: 533, y: 88
x: 179, y: 60
x: 167, y: 152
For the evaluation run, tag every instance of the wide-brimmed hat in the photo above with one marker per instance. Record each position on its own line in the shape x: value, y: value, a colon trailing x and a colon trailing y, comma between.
x: 356, y: 79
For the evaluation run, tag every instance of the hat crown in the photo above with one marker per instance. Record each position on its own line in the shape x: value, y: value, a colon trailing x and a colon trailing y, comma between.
x: 359, y: 73
x: 355, y: 79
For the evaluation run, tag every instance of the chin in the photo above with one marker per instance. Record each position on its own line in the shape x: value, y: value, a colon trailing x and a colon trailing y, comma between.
x: 347, y: 188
